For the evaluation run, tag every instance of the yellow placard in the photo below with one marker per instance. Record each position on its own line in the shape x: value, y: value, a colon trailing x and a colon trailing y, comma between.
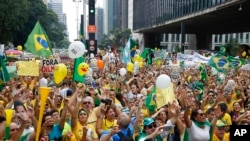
x: 164, y: 96
x: 28, y: 68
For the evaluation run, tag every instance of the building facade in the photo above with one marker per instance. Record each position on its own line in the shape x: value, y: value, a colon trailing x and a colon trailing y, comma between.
x: 171, y: 41
x: 57, y: 7
x: 99, y: 23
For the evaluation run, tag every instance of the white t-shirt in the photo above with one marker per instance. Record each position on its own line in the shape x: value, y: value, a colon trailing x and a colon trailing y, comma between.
x: 196, y: 133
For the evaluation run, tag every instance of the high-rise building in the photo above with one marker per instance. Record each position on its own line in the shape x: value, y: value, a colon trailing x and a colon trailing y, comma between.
x: 115, y: 15
x: 57, y: 7
x: 99, y: 23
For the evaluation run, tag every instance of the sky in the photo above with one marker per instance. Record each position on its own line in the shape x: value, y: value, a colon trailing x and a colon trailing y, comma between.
x: 69, y: 7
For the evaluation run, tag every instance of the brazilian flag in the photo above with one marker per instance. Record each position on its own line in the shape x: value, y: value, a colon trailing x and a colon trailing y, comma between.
x: 150, y: 101
x: 4, y: 75
x: 235, y: 63
x: 220, y: 62
x: 203, y: 73
x: 38, y: 42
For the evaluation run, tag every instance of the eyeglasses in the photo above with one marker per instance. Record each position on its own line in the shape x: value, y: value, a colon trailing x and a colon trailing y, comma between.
x: 248, y: 106
x: 82, y: 113
x: 14, y: 129
x: 86, y: 103
x: 221, y: 128
x: 201, y: 114
x: 151, y: 126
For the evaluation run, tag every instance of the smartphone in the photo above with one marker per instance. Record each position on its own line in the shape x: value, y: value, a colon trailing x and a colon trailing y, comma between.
x: 167, y: 128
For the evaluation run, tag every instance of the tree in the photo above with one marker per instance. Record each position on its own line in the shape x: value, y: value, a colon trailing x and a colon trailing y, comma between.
x: 116, y: 37
x: 13, y: 15
x: 232, y: 47
x: 15, y: 26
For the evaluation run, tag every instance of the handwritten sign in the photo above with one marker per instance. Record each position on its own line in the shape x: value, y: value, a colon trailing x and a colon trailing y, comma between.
x: 48, y: 65
x: 28, y: 68
x: 164, y: 96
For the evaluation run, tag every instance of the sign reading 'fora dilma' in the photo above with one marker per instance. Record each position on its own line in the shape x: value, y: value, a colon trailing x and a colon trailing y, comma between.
x: 48, y: 65
x: 239, y: 132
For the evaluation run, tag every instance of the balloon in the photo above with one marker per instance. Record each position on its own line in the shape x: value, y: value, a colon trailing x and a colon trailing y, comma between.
x: 19, y: 47
x: 82, y: 69
x: 100, y: 64
x: 130, y: 67
x: 123, y: 71
x: 137, y: 58
x: 76, y: 49
x: 163, y: 81
x: 43, y: 82
x: 60, y: 73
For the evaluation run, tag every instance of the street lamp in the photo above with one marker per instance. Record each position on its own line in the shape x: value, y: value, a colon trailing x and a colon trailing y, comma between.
x: 77, y: 17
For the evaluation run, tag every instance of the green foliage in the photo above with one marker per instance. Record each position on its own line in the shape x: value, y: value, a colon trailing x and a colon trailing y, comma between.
x: 13, y: 16
x: 177, y: 49
x: 116, y: 37
x: 18, y: 18
x: 232, y: 47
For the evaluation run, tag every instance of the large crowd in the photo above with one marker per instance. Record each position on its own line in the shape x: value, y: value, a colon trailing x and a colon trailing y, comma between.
x: 111, y: 107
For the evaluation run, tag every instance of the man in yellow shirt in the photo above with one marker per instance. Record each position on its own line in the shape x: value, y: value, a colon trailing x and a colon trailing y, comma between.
x: 219, y: 132
x: 225, y: 118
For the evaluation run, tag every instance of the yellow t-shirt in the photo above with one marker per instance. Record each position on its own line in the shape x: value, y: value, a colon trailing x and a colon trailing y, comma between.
x: 225, y: 138
x: 207, y: 107
x: 107, y: 125
x: 230, y: 105
x: 78, y: 132
x: 31, y: 85
x: 227, y: 119
x: 92, y: 117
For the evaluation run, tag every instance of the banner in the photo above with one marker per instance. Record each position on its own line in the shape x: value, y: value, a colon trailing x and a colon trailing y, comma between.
x: 28, y: 68
x: 48, y: 65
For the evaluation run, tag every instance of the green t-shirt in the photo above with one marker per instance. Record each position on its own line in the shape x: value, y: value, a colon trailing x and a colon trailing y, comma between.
x: 142, y: 136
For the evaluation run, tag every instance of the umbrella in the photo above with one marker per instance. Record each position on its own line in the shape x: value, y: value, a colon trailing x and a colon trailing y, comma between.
x: 15, y: 52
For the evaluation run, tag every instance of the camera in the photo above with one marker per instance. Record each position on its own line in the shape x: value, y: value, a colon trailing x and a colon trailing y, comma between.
x: 106, y: 101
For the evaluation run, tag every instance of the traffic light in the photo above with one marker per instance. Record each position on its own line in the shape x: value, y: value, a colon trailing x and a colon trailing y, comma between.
x: 91, y: 7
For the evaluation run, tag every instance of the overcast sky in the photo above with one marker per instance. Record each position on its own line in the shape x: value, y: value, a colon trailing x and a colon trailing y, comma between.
x: 69, y: 7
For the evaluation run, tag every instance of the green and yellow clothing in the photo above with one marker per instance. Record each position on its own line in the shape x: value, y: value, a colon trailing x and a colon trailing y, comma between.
x: 106, y: 124
x: 92, y: 117
x: 226, y: 119
x: 78, y: 131
x: 143, y: 135
x: 225, y: 138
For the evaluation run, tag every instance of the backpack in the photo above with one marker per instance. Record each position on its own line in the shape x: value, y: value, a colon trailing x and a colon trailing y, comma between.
x: 128, y: 137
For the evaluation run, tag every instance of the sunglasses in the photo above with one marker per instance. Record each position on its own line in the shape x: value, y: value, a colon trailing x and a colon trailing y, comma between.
x: 82, y: 113
x: 221, y: 128
x: 201, y: 114
x: 86, y: 103
x: 151, y: 126
x: 14, y: 129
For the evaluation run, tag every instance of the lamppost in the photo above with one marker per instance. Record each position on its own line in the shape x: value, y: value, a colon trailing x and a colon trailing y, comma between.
x: 77, y: 17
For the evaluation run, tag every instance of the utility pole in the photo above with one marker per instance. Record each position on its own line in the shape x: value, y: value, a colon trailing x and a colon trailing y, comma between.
x: 92, y: 43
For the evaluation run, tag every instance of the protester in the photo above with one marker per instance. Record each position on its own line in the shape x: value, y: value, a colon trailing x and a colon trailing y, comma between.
x: 119, y: 102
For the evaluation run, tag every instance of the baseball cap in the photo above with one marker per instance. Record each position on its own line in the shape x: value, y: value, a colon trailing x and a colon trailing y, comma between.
x: 148, y: 121
x: 220, y: 123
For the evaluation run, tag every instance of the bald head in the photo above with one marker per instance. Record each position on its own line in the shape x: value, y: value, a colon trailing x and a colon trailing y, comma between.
x: 123, y: 120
